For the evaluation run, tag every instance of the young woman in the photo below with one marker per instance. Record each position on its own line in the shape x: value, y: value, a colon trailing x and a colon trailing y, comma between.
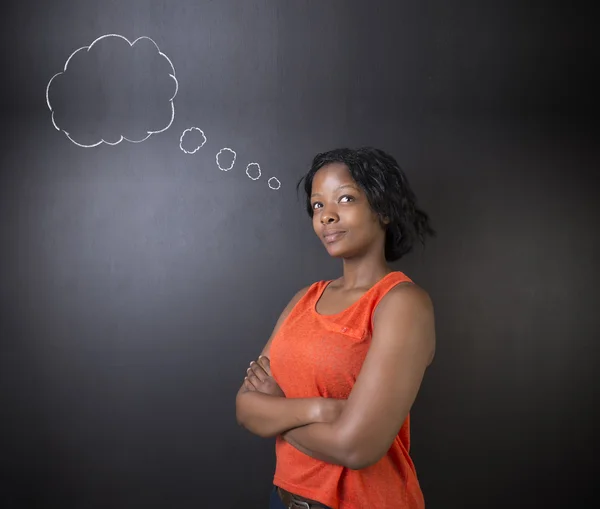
x: 336, y: 380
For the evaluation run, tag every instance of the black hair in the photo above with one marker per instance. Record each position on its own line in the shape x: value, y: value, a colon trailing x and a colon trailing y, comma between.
x: 388, y: 192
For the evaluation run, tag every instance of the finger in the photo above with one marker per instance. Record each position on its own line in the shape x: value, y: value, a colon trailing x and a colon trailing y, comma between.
x: 260, y: 373
x: 251, y: 373
x: 258, y: 366
x: 248, y: 385
x: 265, y: 364
x: 253, y: 379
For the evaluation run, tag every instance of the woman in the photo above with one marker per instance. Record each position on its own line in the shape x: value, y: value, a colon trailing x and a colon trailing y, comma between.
x: 343, y: 366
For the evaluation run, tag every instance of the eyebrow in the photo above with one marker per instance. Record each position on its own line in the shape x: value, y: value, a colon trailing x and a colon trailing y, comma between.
x: 341, y: 187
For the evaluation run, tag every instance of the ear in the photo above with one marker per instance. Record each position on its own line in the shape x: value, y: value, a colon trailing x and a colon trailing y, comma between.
x: 385, y: 220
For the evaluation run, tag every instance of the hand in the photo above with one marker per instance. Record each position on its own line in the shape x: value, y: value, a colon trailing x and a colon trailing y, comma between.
x: 331, y: 409
x: 260, y: 378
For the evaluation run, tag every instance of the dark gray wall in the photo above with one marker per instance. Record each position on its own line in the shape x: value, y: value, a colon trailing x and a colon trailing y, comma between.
x: 138, y: 281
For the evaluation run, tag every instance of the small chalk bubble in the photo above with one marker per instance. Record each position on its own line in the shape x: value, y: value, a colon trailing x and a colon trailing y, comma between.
x: 222, y: 156
x: 194, y: 137
x: 276, y: 180
x: 253, y: 171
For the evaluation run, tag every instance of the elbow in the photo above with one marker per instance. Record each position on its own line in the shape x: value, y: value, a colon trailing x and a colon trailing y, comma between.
x: 239, y: 420
x: 358, y: 461
x: 244, y: 419
x: 238, y: 413
x: 362, y: 447
x: 350, y: 445
x: 359, y: 456
x: 353, y: 453
x: 240, y: 416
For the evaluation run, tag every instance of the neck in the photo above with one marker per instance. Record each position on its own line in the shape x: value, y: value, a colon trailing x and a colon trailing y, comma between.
x: 362, y: 273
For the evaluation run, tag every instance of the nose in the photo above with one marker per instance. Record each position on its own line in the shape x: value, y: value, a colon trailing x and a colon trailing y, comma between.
x: 329, y: 216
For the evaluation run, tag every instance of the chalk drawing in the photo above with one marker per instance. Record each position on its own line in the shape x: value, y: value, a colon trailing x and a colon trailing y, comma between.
x: 225, y: 150
x: 121, y: 138
x: 255, y: 168
x: 187, y: 135
x: 278, y: 183
x: 193, y: 137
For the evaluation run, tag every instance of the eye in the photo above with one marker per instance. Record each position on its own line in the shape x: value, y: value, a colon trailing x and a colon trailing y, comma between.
x: 314, y: 205
x: 349, y: 198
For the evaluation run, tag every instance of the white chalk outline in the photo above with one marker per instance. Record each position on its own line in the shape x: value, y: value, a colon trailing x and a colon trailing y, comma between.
x: 150, y: 133
x: 199, y: 146
x: 275, y: 188
x: 232, y: 163
x: 248, y: 168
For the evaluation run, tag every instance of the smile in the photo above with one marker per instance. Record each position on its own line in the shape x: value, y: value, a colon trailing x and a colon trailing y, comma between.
x: 334, y: 236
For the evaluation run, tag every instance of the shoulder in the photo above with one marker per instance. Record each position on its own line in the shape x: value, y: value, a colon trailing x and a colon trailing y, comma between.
x: 405, y: 296
x: 301, y: 293
x: 406, y: 313
x: 284, y: 314
x: 296, y: 298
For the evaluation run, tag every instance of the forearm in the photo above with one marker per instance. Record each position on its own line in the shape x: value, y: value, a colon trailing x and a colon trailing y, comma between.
x: 269, y: 416
x: 321, y: 441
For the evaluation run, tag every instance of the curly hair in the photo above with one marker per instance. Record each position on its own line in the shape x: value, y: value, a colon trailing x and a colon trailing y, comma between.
x: 388, y: 193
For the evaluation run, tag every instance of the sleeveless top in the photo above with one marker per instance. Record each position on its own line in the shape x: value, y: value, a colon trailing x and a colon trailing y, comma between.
x: 316, y: 355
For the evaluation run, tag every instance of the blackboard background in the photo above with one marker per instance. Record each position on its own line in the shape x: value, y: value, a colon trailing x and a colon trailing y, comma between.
x: 137, y: 281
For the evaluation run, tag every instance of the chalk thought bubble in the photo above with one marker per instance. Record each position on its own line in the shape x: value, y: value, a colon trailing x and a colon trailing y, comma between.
x: 194, y: 140
x: 225, y: 159
x: 113, y: 90
x: 253, y: 171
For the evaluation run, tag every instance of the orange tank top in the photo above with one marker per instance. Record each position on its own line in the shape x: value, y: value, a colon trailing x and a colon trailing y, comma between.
x: 316, y: 355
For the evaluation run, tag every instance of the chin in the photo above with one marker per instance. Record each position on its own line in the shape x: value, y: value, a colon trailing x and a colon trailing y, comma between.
x: 336, y: 251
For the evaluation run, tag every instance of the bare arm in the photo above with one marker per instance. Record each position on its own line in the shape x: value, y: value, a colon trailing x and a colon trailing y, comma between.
x: 402, y: 347
x: 329, y: 452
x: 268, y: 416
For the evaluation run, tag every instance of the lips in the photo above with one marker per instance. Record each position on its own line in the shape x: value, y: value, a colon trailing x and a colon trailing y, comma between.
x: 331, y: 236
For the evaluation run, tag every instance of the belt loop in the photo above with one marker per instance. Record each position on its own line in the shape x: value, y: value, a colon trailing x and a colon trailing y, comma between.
x: 299, y: 503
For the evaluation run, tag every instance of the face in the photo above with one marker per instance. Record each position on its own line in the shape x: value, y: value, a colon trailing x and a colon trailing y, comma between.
x: 342, y: 216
